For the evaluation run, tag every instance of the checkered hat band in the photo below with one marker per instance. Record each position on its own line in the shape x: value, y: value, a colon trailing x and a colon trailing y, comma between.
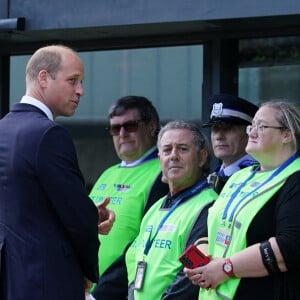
x: 231, y: 113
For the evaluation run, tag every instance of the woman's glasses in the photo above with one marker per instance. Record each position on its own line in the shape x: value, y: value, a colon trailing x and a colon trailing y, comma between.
x: 129, y: 126
x: 260, y: 128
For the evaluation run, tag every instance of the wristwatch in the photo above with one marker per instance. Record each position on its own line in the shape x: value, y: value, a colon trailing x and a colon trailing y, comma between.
x: 228, y: 268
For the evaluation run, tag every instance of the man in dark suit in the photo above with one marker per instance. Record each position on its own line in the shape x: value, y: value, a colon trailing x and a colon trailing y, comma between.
x: 48, y: 225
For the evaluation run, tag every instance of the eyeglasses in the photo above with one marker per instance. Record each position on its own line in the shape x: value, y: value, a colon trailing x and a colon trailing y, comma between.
x: 261, y: 128
x: 129, y: 126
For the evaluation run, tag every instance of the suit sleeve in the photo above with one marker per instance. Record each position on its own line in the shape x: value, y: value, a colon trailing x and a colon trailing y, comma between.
x: 114, y: 276
x: 62, y: 181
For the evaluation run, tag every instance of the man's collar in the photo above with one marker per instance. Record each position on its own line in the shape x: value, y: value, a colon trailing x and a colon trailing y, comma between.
x: 234, y: 167
x: 151, y: 153
x: 35, y: 102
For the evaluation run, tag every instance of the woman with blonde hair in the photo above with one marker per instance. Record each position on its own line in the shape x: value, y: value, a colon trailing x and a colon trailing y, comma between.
x: 254, y: 225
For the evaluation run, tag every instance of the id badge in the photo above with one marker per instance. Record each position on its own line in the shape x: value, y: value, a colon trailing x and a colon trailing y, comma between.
x: 140, y: 275
x: 223, y: 237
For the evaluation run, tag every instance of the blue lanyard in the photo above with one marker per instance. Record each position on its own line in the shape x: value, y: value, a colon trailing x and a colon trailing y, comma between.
x: 196, y: 189
x: 274, y: 174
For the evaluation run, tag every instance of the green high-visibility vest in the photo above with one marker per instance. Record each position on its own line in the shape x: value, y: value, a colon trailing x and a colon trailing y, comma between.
x: 243, y: 217
x: 162, y: 260
x: 127, y: 188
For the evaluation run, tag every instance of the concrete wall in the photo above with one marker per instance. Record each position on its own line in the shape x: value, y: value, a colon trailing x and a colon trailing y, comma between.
x: 111, y: 24
x: 44, y: 14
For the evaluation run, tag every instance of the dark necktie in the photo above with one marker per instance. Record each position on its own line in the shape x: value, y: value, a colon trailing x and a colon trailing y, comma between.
x: 221, y: 173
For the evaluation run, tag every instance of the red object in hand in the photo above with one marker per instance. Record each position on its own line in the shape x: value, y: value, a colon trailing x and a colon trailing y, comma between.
x: 193, y: 258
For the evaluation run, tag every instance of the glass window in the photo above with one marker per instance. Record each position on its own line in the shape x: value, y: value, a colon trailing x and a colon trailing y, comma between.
x: 171, y: 77
x: 270, y: 69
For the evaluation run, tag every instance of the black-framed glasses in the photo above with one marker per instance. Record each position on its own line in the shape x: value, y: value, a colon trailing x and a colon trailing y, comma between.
x: 129, y: 126
x: 261, y: 128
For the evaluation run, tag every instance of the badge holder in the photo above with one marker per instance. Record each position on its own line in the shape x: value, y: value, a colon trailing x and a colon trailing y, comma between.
x: 140, y: 275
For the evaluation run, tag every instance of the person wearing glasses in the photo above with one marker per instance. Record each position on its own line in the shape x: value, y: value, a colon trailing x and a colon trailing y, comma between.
x: 176, y: 220
x: 254, y: 225
x: 132, y: 185
x: 228, y: 120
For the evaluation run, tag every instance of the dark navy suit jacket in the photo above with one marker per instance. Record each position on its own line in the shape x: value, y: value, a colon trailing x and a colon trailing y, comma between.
x: 48, y: 224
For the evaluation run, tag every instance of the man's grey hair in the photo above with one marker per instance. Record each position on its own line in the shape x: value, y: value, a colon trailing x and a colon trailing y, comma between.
x: 199, y: 139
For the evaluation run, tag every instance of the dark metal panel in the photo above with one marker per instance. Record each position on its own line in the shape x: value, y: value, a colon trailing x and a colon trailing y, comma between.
x: 4, y: 9
x: 4, y: 84
x: 107, y: 24
x: 220, y: 67
x: 8, y: 24
x: 229, y: 64
x: 43, y: 14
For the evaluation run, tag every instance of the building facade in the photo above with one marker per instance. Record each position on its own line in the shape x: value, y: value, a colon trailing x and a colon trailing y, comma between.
x: 176, y: 53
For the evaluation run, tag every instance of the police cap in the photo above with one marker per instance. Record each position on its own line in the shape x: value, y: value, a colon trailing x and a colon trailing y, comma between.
x: 229, y: 109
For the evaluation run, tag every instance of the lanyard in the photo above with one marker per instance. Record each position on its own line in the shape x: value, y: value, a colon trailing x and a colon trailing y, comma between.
x: 196, y: 189
x: 274, y: 174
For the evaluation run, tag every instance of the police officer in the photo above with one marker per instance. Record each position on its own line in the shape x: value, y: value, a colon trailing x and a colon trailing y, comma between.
x: 228, y: 120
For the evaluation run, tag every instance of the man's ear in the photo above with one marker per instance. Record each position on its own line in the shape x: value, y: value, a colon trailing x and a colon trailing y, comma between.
x: 203, y: 155
x: 43, y: 78
x: 153, y: 128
